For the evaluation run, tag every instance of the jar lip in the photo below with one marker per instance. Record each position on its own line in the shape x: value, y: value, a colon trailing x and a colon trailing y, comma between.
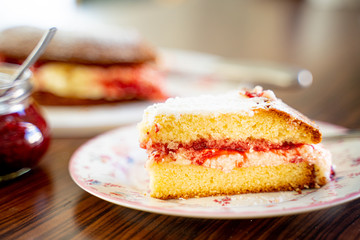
x: 6, y: 70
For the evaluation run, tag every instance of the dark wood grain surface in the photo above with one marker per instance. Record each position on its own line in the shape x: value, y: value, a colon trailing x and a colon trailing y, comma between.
x: 47, y: 204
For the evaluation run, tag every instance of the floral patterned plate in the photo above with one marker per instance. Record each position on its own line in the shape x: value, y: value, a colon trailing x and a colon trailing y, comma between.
x: 111, y: 167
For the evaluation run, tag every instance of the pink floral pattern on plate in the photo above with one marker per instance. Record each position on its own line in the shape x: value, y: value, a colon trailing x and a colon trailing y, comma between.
x: 111, y: 167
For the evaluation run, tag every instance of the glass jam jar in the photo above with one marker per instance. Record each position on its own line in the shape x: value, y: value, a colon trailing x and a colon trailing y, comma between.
x: 24, y: 133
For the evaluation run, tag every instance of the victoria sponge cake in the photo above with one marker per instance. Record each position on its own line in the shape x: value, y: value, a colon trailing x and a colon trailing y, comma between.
x: 244, y: 141
x: 87, y: 67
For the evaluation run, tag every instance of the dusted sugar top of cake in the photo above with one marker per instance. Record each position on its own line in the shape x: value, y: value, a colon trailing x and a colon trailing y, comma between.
x: 244, y: 101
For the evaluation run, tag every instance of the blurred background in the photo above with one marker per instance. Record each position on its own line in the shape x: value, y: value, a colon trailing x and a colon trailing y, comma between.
x: 322, y: 36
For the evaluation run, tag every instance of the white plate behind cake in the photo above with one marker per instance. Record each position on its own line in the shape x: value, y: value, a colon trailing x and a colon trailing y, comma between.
x: 187, y: 74
x: 111, y: 167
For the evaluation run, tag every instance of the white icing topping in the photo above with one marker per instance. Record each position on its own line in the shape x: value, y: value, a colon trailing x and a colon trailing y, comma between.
x: 234, y: 101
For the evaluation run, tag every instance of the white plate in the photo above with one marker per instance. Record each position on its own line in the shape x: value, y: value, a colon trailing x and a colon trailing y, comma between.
x: 111, y: 167
x: 187, y: 74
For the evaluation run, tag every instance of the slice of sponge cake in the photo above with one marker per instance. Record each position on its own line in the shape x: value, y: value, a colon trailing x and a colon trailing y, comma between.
x: 239, y: 142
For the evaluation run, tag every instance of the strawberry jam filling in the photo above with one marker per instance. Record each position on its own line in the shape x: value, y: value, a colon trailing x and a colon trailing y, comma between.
x: 239, y: 146
x: 201, y: 151
x: 131, y: 82
x: 200, y: 156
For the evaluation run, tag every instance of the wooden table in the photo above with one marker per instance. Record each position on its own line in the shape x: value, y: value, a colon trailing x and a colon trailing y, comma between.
x: 47, y: 204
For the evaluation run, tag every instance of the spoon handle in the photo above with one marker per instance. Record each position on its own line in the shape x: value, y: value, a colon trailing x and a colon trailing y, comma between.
x: 36, y: 53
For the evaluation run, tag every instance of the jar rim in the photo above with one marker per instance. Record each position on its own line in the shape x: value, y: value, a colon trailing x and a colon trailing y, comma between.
x: 6, y: 71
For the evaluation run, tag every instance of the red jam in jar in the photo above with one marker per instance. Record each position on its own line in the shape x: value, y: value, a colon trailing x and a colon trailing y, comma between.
x: 24, y: 133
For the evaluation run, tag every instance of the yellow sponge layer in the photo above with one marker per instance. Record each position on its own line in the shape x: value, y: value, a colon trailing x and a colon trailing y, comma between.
x: 169, y: 180
x: 269, y: 125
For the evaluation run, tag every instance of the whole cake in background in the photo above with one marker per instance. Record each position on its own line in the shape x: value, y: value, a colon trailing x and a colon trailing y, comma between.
x: 87, y: 68
x: 245, y: 141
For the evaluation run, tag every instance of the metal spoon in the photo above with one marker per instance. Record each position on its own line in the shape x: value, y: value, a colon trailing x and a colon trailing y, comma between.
x: 30, y: 60
x: 35, y: 54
